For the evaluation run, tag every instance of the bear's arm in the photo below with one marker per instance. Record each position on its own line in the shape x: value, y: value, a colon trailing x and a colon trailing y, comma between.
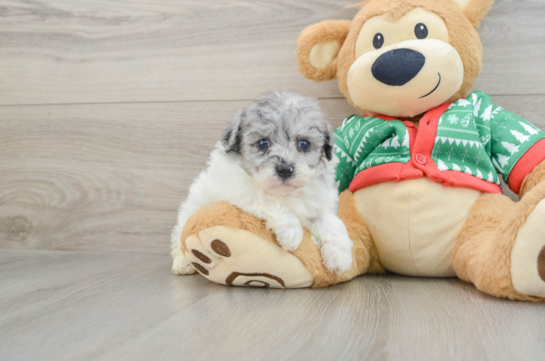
x: 517, y: 147
x: 536, y: 176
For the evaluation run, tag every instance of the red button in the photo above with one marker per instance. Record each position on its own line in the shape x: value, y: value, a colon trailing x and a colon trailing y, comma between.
x: 421, y: 158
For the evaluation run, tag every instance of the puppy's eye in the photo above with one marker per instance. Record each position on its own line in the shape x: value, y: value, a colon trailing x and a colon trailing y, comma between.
x: 263, y: 144
x: 421, y: 31
x: 378, y: 41
x: 304, y: 144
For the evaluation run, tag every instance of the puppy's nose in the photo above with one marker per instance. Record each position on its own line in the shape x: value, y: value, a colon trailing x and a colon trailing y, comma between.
x: 284, y: 171
x: 398, y: 67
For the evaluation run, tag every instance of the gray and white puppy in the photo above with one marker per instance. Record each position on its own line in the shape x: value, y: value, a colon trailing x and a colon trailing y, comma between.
x: 276, y: 162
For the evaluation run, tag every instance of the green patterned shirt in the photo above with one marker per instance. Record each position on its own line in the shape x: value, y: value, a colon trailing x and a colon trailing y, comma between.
x: 467, y: 143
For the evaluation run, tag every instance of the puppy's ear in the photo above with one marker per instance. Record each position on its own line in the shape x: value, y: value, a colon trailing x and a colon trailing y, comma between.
x: 231, y: 134
x: 475, y: 10
x: 328, y: 146
x: 318, y: 47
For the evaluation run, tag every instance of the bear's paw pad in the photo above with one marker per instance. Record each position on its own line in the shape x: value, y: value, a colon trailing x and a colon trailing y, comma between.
x: 238, y: 257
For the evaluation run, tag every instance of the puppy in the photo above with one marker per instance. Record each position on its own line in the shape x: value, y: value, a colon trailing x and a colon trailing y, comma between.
x: 276, y: 162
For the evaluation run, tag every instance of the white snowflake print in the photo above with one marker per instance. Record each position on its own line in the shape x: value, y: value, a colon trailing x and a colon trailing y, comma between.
x: 453, y: 119
x: 351, y: 133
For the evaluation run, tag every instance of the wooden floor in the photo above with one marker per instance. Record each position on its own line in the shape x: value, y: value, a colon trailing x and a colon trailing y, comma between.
x: 109, y: 109
x: 120, y: 306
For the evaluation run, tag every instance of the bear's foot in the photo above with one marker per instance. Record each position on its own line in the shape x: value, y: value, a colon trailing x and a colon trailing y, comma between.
x: 237, y: 257
x: 528, y: 255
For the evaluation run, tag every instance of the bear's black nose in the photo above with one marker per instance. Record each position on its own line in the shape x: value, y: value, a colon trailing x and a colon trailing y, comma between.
x: 397, y: 67
x: 284, y: 171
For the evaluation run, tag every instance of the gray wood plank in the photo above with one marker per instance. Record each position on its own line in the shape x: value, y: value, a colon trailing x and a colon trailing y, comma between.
x: 370, y: 318
x: 31, y: 280
x: 111, y: 176
x: 129, y: 307
x: 68, y: 314
x: 62, y: 51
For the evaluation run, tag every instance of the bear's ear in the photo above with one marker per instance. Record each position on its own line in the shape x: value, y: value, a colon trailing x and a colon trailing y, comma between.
x: 475, y: 10
x: 318, y: 47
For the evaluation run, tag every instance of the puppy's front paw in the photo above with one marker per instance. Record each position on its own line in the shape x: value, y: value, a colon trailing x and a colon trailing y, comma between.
x: 336, y: 258
x: 182, y: 266
x: 289, y: 237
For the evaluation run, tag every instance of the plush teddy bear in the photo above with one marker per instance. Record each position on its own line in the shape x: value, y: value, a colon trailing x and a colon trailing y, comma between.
x: 419, y: 168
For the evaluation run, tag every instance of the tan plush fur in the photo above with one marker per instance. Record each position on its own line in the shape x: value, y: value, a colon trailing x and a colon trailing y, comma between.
x: 358, y: 232
x: 364, y: 251
x: 475, y: 11
x: 532, y: 179
x: 319, y: 34
x: 482, y: 254
x: 225, y: 214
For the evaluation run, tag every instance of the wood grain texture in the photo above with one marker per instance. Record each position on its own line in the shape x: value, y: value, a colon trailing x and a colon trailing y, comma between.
x: 61, y: 51
x: 117, y: 306
x: 111, y: 176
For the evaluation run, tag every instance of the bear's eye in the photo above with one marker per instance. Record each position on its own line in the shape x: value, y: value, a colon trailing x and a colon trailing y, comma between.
x: 421, y: 31
x: 378, y: 41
